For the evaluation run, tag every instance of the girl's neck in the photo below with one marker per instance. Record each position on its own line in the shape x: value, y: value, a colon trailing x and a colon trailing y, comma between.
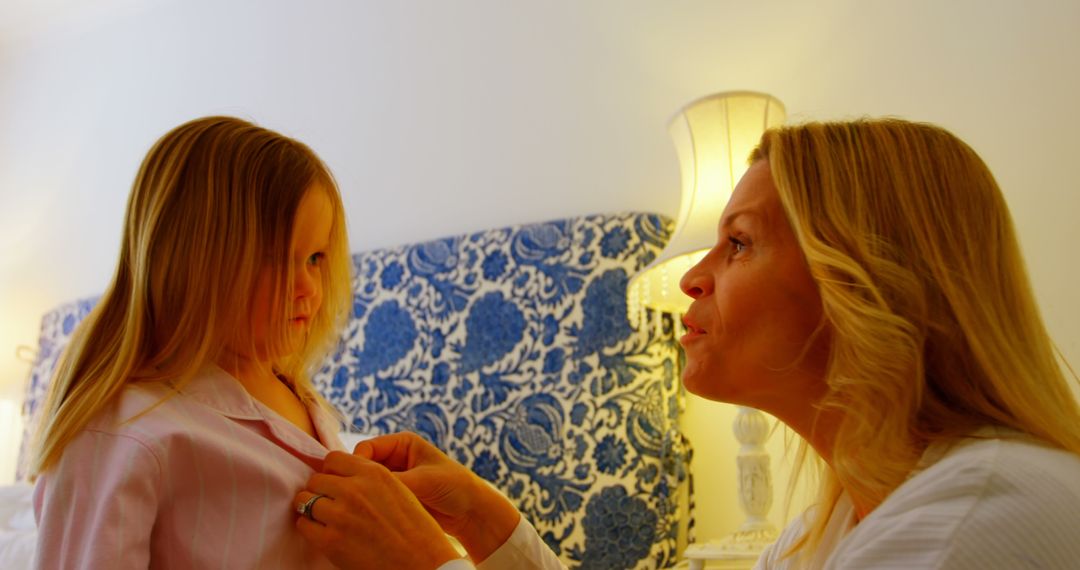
x: 260, y: 381
x: 251, y: 373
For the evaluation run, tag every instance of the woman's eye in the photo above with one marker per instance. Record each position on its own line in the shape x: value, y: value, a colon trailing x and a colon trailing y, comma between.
x: 736, y: 245
x: 316, y: 258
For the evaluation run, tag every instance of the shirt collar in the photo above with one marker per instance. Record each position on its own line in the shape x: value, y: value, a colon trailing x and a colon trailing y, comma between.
x: 218, y: 390
x: 939, y: 449
x: 215, y: 388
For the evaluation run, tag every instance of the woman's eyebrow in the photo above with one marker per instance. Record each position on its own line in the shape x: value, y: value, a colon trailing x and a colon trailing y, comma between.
x: 745, y: 213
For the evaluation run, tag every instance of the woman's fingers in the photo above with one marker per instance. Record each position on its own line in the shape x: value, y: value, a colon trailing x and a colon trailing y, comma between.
x: 328, y: 539
x: 315, y: 532
x: 321, y: 511
x: 370, y: 519
x: 397, y: 451
x: 343, y: 464
x: 338, y: 490
x: 397, y: 454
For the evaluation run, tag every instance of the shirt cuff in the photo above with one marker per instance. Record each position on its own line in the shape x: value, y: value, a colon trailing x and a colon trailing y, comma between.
x: 459, y: 564
x: 523, y: 550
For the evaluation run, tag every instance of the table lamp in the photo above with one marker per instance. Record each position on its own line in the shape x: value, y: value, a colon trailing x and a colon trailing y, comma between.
x: 714, y: 137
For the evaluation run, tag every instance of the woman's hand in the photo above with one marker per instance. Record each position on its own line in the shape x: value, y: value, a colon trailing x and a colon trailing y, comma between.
x: 463, y: 504
x: 369, y: 519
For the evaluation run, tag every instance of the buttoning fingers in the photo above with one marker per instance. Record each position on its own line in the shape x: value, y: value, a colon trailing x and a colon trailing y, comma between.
x: 310, y: 505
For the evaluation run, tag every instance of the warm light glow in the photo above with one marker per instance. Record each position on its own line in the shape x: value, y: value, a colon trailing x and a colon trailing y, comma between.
x: 714, y: 137
x: 10, y: 436
x: 658, y: 287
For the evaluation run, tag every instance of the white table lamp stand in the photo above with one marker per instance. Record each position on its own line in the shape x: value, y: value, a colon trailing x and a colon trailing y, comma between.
x: 755, y: 497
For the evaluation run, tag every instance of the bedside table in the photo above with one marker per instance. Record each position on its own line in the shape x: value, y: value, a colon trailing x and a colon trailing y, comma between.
x: 710, y: 556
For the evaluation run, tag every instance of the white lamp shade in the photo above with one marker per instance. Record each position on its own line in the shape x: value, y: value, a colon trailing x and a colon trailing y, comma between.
x: 714, y: 137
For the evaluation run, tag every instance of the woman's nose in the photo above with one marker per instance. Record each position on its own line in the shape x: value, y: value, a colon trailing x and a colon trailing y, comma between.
x: 698, y: 281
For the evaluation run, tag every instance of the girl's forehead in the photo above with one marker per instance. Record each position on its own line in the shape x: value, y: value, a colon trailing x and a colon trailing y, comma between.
x: 314, y: 218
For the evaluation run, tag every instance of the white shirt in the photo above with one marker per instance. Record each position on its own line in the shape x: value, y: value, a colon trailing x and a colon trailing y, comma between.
x: 524, y: 550
x: 1005, y: 502
x: 1000, y: 503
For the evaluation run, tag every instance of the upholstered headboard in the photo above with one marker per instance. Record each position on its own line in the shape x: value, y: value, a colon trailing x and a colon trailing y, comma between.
x: 56, y: 328
x: 510, y: 349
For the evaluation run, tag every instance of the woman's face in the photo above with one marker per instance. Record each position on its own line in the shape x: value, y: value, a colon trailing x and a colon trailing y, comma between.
x: 310, y: 242
x: 755, y: 308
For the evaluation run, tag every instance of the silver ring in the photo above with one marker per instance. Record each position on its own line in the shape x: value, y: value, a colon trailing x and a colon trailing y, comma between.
x: 305, y: 509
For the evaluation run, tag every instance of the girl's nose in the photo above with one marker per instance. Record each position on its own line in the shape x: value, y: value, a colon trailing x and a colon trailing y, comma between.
x: 307, y: 282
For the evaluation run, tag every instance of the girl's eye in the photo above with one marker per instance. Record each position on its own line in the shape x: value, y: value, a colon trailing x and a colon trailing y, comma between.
x: 737, y: 246
x: 316, y: 258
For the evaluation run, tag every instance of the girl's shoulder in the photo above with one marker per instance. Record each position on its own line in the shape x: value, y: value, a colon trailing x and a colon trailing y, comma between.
x: 141, y: 411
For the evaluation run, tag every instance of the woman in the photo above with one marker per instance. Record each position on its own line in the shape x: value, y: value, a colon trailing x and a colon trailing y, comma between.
x: 182, y: 418
x: 867, y: 289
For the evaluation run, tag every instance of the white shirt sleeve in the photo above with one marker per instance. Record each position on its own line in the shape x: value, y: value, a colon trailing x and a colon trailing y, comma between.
x: 524, y: 550
x: 459, y: 564
x: 97, y: 506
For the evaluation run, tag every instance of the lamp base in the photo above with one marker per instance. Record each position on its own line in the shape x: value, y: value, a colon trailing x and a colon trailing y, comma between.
x: 743, y: 544
x: 748, y: 542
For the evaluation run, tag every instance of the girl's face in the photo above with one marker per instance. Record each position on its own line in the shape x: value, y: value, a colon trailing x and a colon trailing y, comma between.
x: 755, y: 308
x: 310, y: 243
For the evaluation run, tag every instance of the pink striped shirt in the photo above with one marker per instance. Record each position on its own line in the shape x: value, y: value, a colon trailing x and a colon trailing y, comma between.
x: 204, y: 480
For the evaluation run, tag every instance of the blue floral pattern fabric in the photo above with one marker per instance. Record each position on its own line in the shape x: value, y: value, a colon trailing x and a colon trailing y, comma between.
x: 57, y: 326
x: 511, y: 350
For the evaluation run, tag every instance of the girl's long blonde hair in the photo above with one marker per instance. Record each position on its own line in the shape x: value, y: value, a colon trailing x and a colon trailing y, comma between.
x: 213, y: 204
x: 934, y: 327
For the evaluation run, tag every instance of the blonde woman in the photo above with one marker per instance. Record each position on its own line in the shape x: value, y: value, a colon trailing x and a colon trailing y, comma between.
x: 867, y: 289
x: 182, y: 419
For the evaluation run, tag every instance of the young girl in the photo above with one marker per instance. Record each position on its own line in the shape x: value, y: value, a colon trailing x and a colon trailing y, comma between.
x: 182, y: 420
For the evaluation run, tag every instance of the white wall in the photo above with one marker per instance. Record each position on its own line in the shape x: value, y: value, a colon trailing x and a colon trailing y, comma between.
x: 445, y: 117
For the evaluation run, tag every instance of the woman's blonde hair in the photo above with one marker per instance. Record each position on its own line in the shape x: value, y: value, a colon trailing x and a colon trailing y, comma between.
x: 934, y: 328
x: 213, y: 204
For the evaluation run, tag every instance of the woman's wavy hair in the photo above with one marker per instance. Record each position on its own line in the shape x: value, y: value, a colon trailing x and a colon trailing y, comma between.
x: 212, y: 206
x: 934, y: 328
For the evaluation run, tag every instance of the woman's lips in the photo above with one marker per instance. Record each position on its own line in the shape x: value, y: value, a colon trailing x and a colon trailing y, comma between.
x: 692, y: 331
